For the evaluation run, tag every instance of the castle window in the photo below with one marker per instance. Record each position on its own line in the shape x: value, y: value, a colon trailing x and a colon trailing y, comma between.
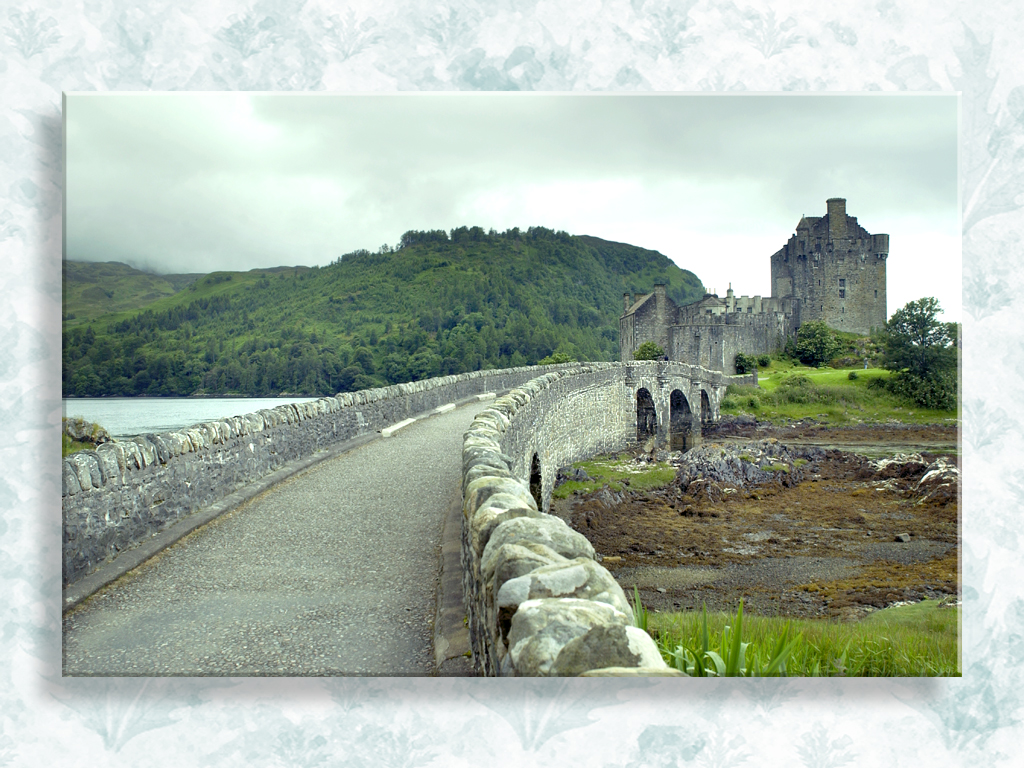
x: 876, y: 294
x: 751, y: 309
x: 842, y: 293
x: 842, y: 283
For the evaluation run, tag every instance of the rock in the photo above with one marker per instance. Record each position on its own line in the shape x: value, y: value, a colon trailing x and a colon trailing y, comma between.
x: 608, y: 646
x: 481, y: 489
x: 608, y: 499
x: 82, y: 431
x: 903, y: 538
x: 901, y: 465
x: 70, y: 485
x: 106, y: 457
x: 515, y: 560
x: 939, y: 484
x: 87, y: 469
x: 486, y: 519
x: 478, y: 471
x: 541, y: 629
x: 582, y: 578
x: 547, y: 530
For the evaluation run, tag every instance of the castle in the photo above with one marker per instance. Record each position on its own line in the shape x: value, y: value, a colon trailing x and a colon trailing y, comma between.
x: 832, y: 270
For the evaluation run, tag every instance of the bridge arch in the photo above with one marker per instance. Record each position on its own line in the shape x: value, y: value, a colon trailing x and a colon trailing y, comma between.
x: 706, y: 412
x: 680, y: 422
x: 536, y: 481
x: 646, y: 415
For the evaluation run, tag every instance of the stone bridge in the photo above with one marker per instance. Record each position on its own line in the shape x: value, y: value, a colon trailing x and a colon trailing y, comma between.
x: 120, y: 499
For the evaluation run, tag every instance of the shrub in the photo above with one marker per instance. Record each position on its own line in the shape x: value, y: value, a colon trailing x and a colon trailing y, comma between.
x: 816, y: 343
x: 745, y: 363
x: 853, y: 376
x: 937, y: 392
x: 764, y: 360
x: 648, y: 351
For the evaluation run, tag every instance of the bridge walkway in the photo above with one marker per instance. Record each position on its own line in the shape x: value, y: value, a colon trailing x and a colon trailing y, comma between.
x: 332, y: 572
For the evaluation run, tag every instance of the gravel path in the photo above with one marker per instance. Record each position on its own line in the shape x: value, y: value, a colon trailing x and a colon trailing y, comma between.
x: 333, y: 572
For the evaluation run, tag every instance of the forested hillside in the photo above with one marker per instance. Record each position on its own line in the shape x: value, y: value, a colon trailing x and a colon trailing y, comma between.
x: 437, y: 304
x: 93, y: 289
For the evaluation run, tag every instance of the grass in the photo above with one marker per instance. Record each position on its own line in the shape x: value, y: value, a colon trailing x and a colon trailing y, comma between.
x: 69, y: 446
x: 827, y: 395
x: 919, y: 640
x: 617, y: 472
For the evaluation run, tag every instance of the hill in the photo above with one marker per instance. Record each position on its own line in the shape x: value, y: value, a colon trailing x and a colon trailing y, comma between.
x: 437, y: 304
x: 94, y: 289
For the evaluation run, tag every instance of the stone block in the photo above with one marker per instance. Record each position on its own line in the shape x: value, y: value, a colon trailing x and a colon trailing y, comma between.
x: 482, y: 489
x: 486, y: 519
x: 581, y: 577
x: 547, y: 530
x: 541, y: 629
x: 608, y: 646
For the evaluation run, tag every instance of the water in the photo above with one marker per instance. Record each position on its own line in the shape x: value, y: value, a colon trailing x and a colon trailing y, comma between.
x: 127, y: 416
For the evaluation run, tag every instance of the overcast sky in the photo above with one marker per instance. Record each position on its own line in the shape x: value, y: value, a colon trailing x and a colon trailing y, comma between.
x: 232, y: 181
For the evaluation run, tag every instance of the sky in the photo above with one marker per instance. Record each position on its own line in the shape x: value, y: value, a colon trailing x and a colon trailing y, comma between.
x: 199, y: 182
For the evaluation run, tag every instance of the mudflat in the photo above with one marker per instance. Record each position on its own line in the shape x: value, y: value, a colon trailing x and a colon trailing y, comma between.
x: 801, y: 520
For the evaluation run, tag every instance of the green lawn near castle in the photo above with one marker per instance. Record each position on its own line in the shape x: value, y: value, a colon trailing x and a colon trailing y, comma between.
x: 786, y: 392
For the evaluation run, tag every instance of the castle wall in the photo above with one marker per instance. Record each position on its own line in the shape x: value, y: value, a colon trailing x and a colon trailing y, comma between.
x: 836, y: 269
x: 648, y: 322
x: 715, y: 342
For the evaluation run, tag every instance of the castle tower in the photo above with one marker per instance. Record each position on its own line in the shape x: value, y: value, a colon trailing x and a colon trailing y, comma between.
x: 836, y: 217
x: 835, y: 270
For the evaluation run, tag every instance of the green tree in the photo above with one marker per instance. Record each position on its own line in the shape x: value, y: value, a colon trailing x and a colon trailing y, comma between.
x: 556, y: 358
x: 922, y: 353
x: 648, y: 351
x: 816, y: 343
x: 745, y: 363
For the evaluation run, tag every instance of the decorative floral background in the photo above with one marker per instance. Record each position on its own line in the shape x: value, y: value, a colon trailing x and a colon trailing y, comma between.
x: 50, y: 46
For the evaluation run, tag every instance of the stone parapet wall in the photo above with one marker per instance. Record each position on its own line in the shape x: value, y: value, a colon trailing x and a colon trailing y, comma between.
x: 125, y: 491
x: 539, y: 603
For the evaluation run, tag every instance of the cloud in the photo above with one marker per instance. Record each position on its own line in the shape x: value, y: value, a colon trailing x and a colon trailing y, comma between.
x: 195, y: 182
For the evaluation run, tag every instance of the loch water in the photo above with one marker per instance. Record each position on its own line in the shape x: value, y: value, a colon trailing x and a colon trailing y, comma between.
x: 127, y: 416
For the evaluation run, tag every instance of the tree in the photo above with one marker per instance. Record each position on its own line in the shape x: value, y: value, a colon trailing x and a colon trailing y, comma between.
x: 745, y: 363
x: 922, y: 353
x: 648, y: 351
x: 816, y: 343
x: 556, y: 358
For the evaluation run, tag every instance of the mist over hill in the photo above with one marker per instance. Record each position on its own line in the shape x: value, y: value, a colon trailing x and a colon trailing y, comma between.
x: 439, y: 303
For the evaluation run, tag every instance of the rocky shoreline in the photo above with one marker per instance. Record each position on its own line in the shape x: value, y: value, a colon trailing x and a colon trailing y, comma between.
x: 792, y: 528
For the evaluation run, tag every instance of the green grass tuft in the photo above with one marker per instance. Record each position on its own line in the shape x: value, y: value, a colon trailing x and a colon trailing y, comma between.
x: 612, y: 471
x: 919, y: 640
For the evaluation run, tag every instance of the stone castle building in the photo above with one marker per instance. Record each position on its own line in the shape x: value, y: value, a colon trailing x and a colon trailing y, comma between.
x: 832, y: 269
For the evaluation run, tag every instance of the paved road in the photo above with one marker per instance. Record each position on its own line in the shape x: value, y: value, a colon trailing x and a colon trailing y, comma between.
x: 333, y: 572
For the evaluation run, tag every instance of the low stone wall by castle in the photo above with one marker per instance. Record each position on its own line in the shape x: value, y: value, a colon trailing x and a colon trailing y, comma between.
x: 539, y: 603
x: 125, y: 491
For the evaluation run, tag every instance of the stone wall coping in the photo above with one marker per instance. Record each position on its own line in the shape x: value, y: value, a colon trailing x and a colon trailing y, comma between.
x: 87, y: 470
x: 544, y: 634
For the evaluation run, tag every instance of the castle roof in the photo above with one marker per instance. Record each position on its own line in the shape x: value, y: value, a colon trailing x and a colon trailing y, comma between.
x: 638, y: 302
